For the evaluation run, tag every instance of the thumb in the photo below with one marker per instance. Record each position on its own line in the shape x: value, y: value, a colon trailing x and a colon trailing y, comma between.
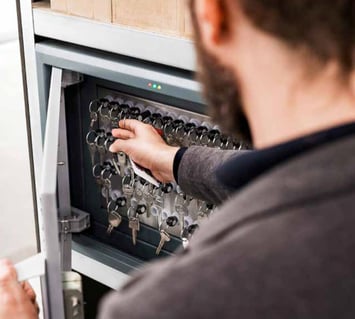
x: 7, y: 272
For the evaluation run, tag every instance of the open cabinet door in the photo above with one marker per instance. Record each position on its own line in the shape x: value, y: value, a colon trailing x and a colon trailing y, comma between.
x: 61, y: 289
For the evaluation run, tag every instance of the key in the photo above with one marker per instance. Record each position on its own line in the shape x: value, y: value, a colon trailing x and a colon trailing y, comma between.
x: 134, y: 225
x: 109, y: 141
x: 114, y: 219
x: 96, y: 172
x: 93, y: 117
x: 90, y: 140
x: 164, y: 238
x: 104, y: 112
x: 107, y: 186
x: 128, y: 186
x: 93, y: 109
x: 122, y: 161
x: 100, y: 145
x: 138, y: 192
x: 106, y: 174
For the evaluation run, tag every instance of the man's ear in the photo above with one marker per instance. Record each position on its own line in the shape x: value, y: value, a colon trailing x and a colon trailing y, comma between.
x: 211, y: 16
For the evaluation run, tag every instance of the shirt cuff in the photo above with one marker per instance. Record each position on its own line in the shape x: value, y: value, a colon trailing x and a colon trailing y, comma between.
x: 177, y: 159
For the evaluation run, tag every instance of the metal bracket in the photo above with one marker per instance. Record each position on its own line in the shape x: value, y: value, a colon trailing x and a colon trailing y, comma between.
x: 73, y: 295
x: 78, y: 222
x: 71, y: 78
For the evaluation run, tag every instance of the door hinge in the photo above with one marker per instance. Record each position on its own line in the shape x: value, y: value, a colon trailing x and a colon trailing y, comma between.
x: 76, y: 223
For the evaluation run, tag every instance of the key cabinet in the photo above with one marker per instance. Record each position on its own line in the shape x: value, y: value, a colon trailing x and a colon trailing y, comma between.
x: 69, y: 64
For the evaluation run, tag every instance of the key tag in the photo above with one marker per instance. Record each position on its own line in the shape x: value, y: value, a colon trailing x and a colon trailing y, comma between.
x: 144, y: 173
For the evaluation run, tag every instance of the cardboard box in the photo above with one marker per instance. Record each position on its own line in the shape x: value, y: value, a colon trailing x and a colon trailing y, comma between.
x: 188, y: 28
x: 165, y: 16
x: 81, y: 8
x: 59, y: 5
x: 100, y: 10
x: 103, y: 10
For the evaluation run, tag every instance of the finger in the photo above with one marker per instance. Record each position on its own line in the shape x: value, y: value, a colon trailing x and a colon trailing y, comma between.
x: 7, y: 271
x: 119, y: 146
x: 29, y: 291
x: 131, y: 125
x: 122, y: 134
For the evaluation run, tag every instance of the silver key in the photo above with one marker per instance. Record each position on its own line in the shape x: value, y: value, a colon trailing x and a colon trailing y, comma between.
x: 134, y: 224
x: 90, y: 140
x: 107, y: 186
x: 93, y: 109
x: 122, y: 160
x: 93, y: 117
x: 128, y: 185
x: 164, y: 238
x: 100, y: 146
x: 114, y: 219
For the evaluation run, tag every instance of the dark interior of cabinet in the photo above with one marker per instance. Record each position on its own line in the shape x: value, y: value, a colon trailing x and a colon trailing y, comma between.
x: 85, y: 193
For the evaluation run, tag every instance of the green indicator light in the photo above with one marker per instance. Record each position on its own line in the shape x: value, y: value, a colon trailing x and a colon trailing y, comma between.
x: 154, y: 86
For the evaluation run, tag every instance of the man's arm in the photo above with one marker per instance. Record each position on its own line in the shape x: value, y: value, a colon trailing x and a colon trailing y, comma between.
x: 196, y: 172
x: 197, y: 176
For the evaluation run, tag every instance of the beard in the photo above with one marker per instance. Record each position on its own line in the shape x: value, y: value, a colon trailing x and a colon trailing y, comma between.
x: 221, y: 91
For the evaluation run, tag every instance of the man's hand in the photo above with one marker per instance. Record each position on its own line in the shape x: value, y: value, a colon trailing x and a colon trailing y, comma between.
x: 144, y: 145
x: 16, y: 300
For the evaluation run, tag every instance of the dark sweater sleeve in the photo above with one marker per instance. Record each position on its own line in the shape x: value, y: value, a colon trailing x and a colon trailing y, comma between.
x: 196, y: 172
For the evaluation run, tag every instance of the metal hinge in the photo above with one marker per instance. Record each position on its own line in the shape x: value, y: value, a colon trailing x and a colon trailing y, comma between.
x: 78, y: 222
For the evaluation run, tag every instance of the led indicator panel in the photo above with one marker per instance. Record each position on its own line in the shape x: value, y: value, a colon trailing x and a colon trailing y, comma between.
x: 155, y: 86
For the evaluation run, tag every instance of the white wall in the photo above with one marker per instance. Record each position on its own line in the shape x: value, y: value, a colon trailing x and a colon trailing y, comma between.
x: 17, y: 229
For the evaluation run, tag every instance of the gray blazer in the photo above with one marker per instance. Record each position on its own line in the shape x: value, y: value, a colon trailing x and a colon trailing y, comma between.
x: 282, y: 247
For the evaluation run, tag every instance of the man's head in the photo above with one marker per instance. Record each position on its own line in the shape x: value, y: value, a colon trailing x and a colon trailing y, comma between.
x: 265, y: 60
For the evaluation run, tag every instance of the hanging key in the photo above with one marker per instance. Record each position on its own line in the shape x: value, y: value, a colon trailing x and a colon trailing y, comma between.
x: 100, y: 145
x: 104, y: 112
x: 90, y: 140
x: 93, y: 109
x: 122, y: 162
x: 134, y: 225
x: 114, y: 219
x: 128, y: 186
x: 109, y: 141
x: 106, y: 176
x: 164, y: 238
x: 96, y: 172
x: 114, y: 113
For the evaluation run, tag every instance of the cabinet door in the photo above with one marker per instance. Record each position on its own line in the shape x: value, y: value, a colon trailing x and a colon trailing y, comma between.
x: 41, y: 168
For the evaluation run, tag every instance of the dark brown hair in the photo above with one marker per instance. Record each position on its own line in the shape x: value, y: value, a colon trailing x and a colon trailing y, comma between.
x: 325, y: 28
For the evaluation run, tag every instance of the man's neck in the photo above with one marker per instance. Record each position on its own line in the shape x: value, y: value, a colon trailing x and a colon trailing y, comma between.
x: 291, y: 104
